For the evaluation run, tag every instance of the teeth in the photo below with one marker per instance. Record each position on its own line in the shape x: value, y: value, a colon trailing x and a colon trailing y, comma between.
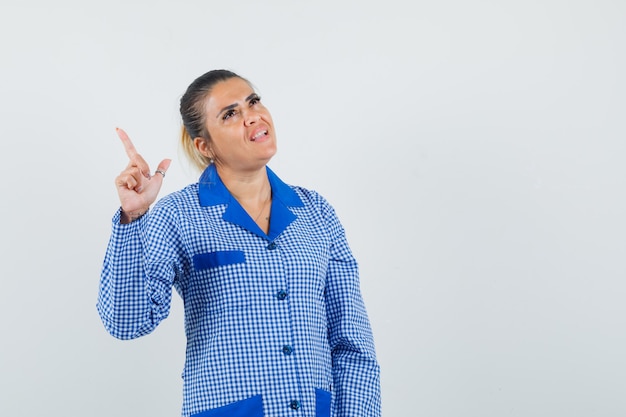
x: 258, y: 135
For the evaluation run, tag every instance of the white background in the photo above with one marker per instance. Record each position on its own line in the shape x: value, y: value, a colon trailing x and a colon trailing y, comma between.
x: 474, y: 150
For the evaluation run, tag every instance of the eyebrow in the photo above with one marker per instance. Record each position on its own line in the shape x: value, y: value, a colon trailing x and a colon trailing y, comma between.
x: 234, y: 105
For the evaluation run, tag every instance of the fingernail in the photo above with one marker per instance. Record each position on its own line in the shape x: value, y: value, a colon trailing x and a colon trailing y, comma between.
x: 139, y: 189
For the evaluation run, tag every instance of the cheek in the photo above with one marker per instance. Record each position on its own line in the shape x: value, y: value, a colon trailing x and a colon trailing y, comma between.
x: 223, y: 140
x: 268, y: 118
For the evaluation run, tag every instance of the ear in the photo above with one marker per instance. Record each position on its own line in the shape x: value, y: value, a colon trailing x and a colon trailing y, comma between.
x: 203, y: 147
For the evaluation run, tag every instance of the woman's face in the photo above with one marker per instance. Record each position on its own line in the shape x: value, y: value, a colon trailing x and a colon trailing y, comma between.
x: 241, y: 128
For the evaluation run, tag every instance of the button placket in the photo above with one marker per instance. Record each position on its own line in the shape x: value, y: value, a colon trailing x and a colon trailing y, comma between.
x: 286, y: 349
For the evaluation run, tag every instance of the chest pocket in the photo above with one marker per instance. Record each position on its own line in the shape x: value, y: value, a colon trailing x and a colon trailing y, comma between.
x: 219, y: 258
x: 223, y: 281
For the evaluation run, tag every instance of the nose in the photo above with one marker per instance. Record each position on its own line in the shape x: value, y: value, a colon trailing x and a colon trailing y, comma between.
x: 250, y: 117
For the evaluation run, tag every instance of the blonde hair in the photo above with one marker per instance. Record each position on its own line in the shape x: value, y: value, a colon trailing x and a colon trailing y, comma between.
x: 198, y: 160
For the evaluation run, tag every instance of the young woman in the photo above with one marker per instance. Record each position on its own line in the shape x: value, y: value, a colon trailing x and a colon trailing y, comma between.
x: 274, y: 317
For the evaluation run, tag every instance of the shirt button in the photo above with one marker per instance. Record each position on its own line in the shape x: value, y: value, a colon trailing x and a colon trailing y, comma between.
x: 281, y: 295
x: 287, y: 350
x: 272, y: 246
x: 295, y: 405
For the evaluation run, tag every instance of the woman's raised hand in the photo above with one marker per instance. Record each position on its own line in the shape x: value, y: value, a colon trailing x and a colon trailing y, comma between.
x: 137, y: 189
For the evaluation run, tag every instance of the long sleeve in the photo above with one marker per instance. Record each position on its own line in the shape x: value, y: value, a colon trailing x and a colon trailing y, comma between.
x: 356, y: 372
x: 135, y: 284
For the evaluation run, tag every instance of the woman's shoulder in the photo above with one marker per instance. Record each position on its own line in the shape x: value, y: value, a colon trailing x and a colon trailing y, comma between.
x: 312, y: 198
x: 184, y: 197
x: 307, y: 195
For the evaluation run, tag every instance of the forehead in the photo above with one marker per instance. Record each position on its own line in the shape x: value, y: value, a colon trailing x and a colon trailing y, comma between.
x: 225, y: 93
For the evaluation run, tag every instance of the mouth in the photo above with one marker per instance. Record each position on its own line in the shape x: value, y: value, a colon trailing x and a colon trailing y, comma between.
x: 259, y: 136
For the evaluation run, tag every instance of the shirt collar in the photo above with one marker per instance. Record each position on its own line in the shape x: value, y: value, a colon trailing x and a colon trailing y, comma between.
x: 212, y: 190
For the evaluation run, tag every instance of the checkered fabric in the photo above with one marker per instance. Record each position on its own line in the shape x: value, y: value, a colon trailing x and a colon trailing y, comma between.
x: 275, y: 323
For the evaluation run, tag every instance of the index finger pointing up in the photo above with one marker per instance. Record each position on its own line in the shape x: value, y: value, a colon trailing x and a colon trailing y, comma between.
x: 128, y: 144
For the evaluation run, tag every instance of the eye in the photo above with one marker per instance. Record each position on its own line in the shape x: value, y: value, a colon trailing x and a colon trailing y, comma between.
x: 228, y: 114
x: 255, y: 100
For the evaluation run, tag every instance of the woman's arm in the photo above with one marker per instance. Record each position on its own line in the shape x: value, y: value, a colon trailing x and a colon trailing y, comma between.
x: 135, y: 292
x: 356, y: 372
x: 133, y: 299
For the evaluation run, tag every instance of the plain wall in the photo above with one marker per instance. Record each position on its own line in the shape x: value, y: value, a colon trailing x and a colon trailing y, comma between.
x: 474, y: 150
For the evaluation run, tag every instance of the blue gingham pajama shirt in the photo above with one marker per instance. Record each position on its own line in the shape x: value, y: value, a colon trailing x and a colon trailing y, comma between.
x: 275, y: 324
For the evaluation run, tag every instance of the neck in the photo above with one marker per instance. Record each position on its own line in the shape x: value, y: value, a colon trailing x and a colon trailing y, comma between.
x: 250, y: 186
